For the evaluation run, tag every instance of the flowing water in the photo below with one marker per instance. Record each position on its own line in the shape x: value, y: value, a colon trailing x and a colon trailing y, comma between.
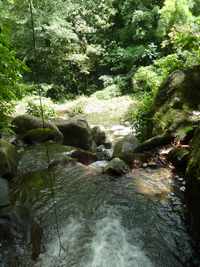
x: 132, y: 221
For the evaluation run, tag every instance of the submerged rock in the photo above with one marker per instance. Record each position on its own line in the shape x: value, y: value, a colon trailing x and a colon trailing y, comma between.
x: 76, y: 133
x: 8, y: 159
x: 116, y: 167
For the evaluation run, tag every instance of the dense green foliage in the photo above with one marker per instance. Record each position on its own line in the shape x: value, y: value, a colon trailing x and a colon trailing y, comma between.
x: 127, y: 46
x: 11, y: 69
x: 178, y: 33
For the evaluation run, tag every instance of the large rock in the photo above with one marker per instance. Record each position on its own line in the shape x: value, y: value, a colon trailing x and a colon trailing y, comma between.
x: 8, y: 159
x: 176, y: 99
x: 77, y: 133
x: 124, y: 149
x: 181, y: 87
x: 30, y: 129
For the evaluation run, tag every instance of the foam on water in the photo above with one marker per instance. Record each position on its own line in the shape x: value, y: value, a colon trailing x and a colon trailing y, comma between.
x: 107, y: 246
x: 110, y: 247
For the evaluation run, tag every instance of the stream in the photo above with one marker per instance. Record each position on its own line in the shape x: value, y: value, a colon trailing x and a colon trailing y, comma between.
x: 95, y: 220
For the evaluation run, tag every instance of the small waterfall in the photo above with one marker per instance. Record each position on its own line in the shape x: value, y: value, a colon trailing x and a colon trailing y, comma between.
x: 108, y: 245
x: 111, y: 247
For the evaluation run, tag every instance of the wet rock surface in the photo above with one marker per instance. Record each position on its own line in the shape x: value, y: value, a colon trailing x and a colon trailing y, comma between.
x: 8, y: 159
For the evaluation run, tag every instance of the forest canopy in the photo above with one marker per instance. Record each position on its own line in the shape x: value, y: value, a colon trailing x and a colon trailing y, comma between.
x: 85, y: 46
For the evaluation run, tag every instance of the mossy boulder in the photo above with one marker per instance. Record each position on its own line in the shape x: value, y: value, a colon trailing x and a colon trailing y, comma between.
x: 30, y: 128
x: 175, y: 100
x: 8, y: 159
x: 77, y: 133
x: 41, y: 135
x: 180, y: 87
x: 124, y: 148
x: 116, y: 167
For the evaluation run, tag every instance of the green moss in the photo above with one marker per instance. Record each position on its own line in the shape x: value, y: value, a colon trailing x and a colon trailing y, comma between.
x: 40, y: 135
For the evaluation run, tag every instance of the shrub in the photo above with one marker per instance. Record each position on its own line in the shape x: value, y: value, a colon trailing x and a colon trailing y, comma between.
x: 38, y: 111
x: 141, y: 117
x: 56, y: 92
x: 11, y: 70
x: 146, y: 79
x: 6, y: 109
x: 108, y: 93
x: 78, y: 106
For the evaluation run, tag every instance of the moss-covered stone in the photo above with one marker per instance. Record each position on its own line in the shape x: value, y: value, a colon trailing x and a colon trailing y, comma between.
x: 8, y: 159
x: 33, y: 130
x: 175, y: 101
x: 181, y: 86
x: 116, y: 167
x: 41, y: 135
x: 24, y: 123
